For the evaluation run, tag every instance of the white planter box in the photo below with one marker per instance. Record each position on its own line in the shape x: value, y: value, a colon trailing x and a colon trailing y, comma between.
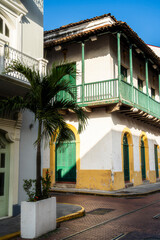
x: 38, y: 218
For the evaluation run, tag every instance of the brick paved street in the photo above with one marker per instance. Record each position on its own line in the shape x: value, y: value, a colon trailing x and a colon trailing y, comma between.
x: 137, y: 225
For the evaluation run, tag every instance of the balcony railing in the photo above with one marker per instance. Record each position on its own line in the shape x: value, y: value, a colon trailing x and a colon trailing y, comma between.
x: 139, y: 99
x: 109, y: 91
x: 94, y: 92
x: 10, y: 54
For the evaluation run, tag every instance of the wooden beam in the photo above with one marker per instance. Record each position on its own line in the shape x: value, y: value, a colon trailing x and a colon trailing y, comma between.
x: 87, y: 109
x: 113, y: 108
x: 71, y: 111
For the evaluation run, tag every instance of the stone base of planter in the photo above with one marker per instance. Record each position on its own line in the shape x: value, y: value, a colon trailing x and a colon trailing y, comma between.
x: 38, y: 218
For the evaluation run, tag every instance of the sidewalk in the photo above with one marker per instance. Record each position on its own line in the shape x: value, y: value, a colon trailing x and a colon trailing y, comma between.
x: 143, y: 189
x: 10, y: 227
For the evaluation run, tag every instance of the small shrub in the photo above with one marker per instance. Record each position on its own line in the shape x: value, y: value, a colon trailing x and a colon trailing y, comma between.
x: 29, y: 187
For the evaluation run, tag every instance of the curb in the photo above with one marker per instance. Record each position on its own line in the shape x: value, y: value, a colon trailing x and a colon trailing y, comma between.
x: 77, y: 214
x: 9, y: 236
x: 107, y: 194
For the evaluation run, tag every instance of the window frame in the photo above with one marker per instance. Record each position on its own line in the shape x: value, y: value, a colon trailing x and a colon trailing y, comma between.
x: 140, y: 88
x: 124, y: 76
x: 153, y: 91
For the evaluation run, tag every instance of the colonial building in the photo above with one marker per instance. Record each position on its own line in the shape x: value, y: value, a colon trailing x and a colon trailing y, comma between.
x: 21, y: 38
x: 118, y: 86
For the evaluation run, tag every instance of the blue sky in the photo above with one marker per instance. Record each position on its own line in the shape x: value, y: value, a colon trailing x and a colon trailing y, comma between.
x: 143, y: 16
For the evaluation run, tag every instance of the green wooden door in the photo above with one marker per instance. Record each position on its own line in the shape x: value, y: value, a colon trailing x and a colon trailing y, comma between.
x: 143, y: 165
x: 66, y: 161
x: 4, y: 176
x: 156, y: 160
x: 72, y: 79
x: 126, y: 158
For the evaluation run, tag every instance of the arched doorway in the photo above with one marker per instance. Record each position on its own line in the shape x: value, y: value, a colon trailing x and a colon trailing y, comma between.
x: 143, y: 162
x: 66, y: 161
x: 4, y: 176
x: 126, y: 158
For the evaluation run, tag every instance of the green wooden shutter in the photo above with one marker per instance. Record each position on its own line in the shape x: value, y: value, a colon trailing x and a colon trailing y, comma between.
x: 156, y: 161
x: 143, y: 165
x: 126, y: 158
x: 72, y: 79
x: 66, y: 161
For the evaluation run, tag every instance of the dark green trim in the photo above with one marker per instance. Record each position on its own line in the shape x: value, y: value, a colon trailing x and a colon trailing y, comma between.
x: 119, y: 60
x: 83, y: 71
x: 146, y: 69
x: 131, y: 67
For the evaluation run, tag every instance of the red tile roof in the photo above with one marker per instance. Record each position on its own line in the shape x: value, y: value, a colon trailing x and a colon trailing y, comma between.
x: 81, y: 22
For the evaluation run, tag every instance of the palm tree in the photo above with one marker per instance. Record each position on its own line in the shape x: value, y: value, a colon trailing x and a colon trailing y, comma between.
x: 44, y: 100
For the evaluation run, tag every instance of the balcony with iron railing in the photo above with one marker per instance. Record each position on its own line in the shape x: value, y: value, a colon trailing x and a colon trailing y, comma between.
x: 9, y: 54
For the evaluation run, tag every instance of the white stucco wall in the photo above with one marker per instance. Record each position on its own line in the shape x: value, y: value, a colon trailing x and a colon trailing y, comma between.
x: 136, y: 128
x: 97, y: 59
x: 32, y: 30
x: 156, y: 49
x: 100, y: 142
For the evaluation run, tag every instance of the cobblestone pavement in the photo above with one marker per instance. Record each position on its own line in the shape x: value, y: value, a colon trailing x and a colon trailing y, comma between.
x: 115, y: 218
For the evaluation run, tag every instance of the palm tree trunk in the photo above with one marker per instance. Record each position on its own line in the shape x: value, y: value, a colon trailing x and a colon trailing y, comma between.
x: 38, y: 162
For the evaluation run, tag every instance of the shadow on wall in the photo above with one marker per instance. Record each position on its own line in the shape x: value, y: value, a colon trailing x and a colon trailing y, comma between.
x: 119, y: 119
x: 34, y: 11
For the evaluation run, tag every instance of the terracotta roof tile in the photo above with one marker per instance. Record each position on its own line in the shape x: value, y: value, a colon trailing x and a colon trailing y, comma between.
x: 81, y: 22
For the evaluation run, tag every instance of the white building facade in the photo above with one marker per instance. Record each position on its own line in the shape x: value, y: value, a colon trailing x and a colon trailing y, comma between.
x: 118, y: 88
x: 21, y: 38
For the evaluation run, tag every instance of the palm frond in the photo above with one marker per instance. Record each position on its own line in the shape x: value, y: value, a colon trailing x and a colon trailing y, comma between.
x: 31, y: 74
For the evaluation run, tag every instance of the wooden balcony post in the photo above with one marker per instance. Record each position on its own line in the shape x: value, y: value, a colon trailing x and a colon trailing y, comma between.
x: 83, y: 72
x: 119, y: 61
x: 131, y: 69
x: 146, y: 71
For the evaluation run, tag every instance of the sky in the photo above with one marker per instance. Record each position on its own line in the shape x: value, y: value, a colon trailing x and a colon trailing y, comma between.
x: 143, y: 16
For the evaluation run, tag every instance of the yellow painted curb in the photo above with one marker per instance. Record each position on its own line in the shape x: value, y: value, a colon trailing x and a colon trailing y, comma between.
x: 78, y: 214
x: 9, y: 236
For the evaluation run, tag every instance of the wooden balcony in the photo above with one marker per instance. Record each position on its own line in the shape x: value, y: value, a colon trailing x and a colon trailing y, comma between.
x: 113, y: 91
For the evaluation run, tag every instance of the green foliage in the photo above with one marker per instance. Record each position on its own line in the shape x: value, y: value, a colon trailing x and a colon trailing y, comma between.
x: 42, y: 100
x: 30, y: 188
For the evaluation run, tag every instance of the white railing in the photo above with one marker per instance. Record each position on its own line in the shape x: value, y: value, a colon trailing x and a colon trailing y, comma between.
x: 11, y: 54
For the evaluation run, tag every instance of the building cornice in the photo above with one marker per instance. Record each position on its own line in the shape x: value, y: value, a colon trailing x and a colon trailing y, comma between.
x: 14, y: 6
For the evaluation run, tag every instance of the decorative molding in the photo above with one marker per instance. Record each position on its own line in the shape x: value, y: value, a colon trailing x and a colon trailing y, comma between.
x: 39, y: 4
x: 10, y: 137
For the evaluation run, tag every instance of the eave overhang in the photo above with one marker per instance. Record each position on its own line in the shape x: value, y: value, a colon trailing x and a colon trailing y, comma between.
x: 115, y: 27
